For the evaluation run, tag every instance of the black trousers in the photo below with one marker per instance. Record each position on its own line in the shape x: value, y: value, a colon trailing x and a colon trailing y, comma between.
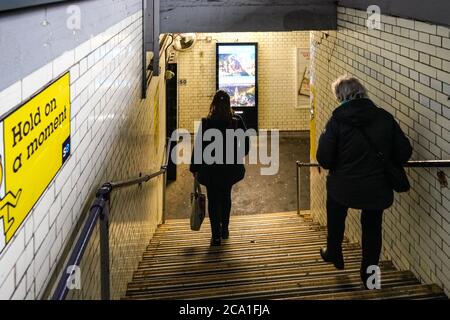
x: 219, y: 208
x: 371, y: 223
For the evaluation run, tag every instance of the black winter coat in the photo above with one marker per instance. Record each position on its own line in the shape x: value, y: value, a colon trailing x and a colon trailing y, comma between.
x: 221, y: 174
x: 356, y: 177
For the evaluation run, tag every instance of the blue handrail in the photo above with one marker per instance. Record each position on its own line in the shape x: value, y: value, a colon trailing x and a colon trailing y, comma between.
x: 100, y: 211
x: 95, y: 212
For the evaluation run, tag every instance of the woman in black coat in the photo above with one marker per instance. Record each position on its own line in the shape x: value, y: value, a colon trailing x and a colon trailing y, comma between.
x: 356, y: 176
x: 220, y: 176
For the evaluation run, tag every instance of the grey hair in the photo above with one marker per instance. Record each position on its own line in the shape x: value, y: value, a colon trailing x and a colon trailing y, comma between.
x: 347, y: 88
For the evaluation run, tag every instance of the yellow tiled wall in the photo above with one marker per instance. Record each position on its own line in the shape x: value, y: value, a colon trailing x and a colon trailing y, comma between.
x: 277, y: 78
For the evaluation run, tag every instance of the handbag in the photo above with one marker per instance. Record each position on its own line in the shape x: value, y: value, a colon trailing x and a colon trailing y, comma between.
x: 198, y: 206
x: 395, y: 173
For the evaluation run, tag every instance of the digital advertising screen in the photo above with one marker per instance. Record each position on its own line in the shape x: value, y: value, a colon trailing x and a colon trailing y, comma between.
x: 237, y: 73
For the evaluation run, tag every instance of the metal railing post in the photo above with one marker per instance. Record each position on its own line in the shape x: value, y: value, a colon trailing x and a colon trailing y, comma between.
x: 165, y: 168
x: 104, y: 249
x: 298, y: 168
x: 164, y: 205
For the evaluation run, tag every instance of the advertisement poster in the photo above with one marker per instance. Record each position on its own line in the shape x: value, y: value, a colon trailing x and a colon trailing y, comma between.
x: 303, y: 78
x: 34, y: 145
x: 237, y: 73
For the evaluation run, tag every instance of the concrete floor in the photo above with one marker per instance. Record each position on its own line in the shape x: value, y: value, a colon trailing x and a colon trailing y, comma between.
x: 256, y: 194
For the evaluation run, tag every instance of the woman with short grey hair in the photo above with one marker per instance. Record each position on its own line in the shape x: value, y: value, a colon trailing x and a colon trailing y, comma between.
x: 357, y: 178
x: 347, y: 88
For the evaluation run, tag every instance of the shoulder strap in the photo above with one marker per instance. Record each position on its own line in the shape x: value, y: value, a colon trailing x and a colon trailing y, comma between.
x: 372, y: 145
x: 240, y: 120
x: 197, y: 186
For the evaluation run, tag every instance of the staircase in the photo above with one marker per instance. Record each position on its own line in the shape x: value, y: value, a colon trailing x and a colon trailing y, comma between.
x: 273, y: 256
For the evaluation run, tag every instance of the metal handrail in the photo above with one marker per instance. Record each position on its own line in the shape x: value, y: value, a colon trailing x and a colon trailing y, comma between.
x: 142, y: 179
x: 62, y: 288
x: 410, y: 164
x: 100, y: 211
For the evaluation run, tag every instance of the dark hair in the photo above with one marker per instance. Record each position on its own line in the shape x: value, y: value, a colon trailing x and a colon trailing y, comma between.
x: 221, y: 108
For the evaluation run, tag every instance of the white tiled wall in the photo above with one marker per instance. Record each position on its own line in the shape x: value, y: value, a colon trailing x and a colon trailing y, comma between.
x: 113, y: 137
x: 406, y: 68
x: 277, y: 78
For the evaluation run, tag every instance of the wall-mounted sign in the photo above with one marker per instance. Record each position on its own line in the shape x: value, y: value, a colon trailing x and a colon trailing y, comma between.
x: 303, y: 77
x: 34, y: 145
x: 237, y: 72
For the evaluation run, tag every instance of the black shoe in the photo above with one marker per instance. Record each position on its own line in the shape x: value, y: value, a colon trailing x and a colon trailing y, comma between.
x: 225, y: 235
x: 338, y: 261
x: 216, y: 242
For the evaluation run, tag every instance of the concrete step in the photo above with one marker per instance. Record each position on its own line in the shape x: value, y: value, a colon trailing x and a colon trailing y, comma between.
x: 274, y: 256
x: 271, y: 288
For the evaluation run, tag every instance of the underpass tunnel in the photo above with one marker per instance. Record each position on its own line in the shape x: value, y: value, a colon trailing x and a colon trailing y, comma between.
x: 93, y: 205
x: 273, y: 96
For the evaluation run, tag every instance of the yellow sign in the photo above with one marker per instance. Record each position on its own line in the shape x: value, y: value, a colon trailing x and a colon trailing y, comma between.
x: 156, y: 121
x: 34, y: 145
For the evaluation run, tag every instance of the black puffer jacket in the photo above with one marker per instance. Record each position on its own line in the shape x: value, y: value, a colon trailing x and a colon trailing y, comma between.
x: 356, y: 178
x: 221, y: 174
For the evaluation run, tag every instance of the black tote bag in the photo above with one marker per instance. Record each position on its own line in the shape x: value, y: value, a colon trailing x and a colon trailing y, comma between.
x: 198, y: 207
